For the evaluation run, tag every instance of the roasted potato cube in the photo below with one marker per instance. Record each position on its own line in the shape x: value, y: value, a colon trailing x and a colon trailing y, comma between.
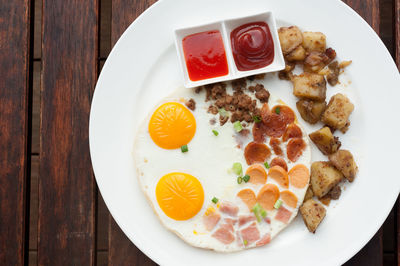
x: 314, y: 41
x: 298, y: 54
x: 290, y: 38
x: 325, y: 141
x: 344, y: 161
x: 310, y: 111
x: 313, y: 213
x: 309, y: 194
x: 324, y: 176
x: 338, y: 111
x: 309, y: 86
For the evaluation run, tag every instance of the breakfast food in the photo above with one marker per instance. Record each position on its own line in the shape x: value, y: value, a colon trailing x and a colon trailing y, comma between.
x: 227, y: 166
x: 228, y: 174
x: 309, y: 51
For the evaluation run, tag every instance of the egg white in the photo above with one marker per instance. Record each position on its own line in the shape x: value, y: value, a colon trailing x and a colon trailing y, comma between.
x: 209, y: 159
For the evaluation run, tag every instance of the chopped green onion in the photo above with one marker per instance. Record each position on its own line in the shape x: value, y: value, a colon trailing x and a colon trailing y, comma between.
x: 278, y: 204
x: 238, y: 127
x: 215, y: 200
x: 215, y: 132
x: 239, y: 180
x: 245, y: 242
x: 237, y: 168
x: 278, y: 110
x: 266, y: 165
x: 264, y: 213
x: 256, y: 210
x: 257, y: 118
x: 222, y: 112
x: 246, y: 178
x: 184, y: 148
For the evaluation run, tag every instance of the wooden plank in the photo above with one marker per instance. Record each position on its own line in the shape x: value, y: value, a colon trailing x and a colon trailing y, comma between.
x: 397, y: 31
x: 66, y: 232
x: 121, y: 250
x: 33, y: 212
x: 368, y: 9
x: 37, y: 30
x: 14, y: 89
x: 125, y: 12
x: 35, y: 143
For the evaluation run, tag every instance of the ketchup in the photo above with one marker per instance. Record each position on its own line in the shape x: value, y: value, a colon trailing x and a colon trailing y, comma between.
x: 205, y: 55
x: 252, y: 46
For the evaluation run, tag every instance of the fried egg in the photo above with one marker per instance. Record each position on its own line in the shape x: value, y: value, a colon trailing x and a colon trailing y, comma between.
x: 188, y: 168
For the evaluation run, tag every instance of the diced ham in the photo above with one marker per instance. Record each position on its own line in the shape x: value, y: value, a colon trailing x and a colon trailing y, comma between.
x: 264, y: 240
x: 229, y: 208
x: 283, y: 215
x: 244, y: 219
x: 267, y: 220
x: 211, y: 220
x: 250, y: 233
x: 239, y: 239
x: 230, y: 221
x: 227, y: 226
x: 224, y: 235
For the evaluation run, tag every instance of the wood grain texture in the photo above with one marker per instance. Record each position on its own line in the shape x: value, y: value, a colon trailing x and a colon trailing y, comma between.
x: 66, y: 187
x: 368, y: 9
x: 397, y: 31
x: 121, y: 251
x: 14, y: 82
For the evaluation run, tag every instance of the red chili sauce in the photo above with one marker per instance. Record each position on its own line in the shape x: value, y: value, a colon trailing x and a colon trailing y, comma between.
x: 205, y: 55
x: 252, y: 46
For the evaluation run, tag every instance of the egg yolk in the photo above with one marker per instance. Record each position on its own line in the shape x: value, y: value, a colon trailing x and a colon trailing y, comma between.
x: 172, y: 125
x: 179, y: 195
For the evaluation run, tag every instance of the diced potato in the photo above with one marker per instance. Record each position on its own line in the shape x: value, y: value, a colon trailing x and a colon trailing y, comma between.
x: 325, y: 141
x: 313, y: 213
x: 338, y: 111
x: 314, y: 41
x: 298, y: 54
x: 344, y: 161
x: 324, y: 176
x: 311, y: 111
x: 309, y: 86
x: 309, y: 194
x: 290, y: 38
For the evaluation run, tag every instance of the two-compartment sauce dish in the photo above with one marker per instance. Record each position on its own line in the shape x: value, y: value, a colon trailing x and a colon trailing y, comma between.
x: 229, y: 49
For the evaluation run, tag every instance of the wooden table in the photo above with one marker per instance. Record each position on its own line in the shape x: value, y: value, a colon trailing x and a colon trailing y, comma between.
x: 51, y: 52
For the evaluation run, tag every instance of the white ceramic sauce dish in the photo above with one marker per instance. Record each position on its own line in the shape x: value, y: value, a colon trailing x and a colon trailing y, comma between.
x: 225, y: 27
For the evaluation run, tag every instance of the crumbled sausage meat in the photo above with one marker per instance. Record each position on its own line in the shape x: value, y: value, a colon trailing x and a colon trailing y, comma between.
x: 212, y: 109
x: 334, y: 71
x: 223, y: 120
x: 335, y: 192
x: 191, y: 104
x: 262, y: 95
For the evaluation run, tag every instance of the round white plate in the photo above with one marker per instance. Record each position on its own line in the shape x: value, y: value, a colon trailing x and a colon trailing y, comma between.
x: 143, y: 68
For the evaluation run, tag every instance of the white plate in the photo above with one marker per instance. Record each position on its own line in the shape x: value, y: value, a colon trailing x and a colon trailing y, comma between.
x: 143, y: 68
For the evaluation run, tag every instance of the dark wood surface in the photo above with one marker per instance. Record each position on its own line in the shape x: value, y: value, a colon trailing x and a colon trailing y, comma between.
x: 50, y: 83
x: 14, y: 97
x: 66, y: 226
